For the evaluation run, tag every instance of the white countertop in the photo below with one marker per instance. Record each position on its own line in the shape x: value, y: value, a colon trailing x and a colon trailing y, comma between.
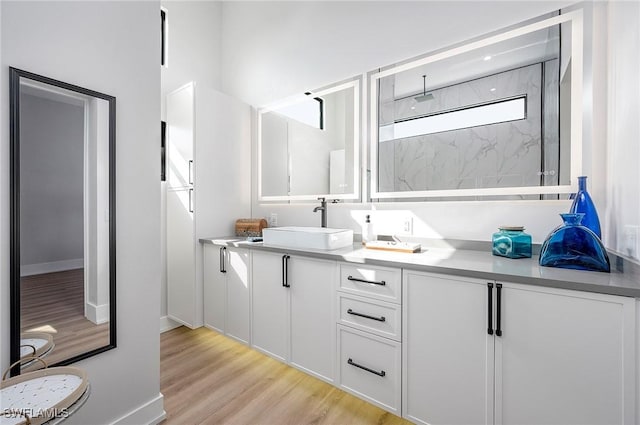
x: 467, y: 263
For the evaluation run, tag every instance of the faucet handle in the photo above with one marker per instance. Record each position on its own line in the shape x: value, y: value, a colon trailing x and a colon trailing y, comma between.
x: 321, y: 199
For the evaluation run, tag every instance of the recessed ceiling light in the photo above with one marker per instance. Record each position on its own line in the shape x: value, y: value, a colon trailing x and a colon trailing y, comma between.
x: 413, y: 107
x: 493, y: 89
x: 487, y: 58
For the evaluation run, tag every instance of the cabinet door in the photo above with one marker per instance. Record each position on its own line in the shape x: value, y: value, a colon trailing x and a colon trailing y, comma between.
x: 448, y: 354
x: 238, y: 293
x: 312, y: 324
x: 184, y: 302
x: 270, y: 306
x: 180, y: 135
x: 215, y: 288
x: 564, y: 357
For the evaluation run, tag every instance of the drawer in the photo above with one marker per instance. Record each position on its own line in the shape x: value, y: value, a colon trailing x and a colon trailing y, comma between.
x: 379, y: 317
x: 369, y: 367
x: 383, y: 283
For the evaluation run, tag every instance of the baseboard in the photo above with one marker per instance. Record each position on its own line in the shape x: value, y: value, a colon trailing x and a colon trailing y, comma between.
x: 98, y: 314
x: 213, y: 328
x: 166, y: 324
x: 54, y: 266
x: 152, y: 412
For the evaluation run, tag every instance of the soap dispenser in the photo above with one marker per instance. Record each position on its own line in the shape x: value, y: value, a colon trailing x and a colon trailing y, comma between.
x: 367, y: 231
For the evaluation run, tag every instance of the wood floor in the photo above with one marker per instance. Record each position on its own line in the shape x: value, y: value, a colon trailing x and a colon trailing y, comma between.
x: 54, y: 303
x: 207, y: 378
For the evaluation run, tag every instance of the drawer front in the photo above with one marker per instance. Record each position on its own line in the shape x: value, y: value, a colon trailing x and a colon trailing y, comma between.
x: 369, y: 367
x: 380, y: 282
x: 378, y: 317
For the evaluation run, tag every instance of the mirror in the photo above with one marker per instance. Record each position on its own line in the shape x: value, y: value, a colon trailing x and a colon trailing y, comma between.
x: 495, y: 117
x: 62, y: 220
x: 308, y: 146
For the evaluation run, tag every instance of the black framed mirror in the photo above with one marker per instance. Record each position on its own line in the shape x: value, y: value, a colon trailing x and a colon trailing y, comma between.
x: 62, y: 177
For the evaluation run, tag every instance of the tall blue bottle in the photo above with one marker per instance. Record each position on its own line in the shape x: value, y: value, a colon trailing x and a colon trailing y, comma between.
x: 583, y: 204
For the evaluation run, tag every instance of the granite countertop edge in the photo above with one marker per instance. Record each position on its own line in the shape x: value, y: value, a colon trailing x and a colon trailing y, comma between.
x: 465, y: 263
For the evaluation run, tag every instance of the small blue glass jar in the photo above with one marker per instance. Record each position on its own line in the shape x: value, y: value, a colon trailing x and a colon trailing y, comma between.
x: 511, y: 242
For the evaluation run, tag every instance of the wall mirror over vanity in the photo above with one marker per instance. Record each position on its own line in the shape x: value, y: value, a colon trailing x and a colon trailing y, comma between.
x: 498, y: 116
x: 62, y: 220
x: 309, y: 145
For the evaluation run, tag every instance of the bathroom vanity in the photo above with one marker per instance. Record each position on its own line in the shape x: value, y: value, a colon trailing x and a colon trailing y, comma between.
x: 455, y: 336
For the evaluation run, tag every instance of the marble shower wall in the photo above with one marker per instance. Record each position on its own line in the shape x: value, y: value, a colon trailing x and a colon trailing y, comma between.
x: 496, y: 155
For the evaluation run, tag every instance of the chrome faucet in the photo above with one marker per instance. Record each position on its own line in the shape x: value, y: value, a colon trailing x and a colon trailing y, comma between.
x: 323, y: 210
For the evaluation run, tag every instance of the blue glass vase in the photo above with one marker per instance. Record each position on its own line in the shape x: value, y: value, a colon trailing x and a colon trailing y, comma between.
x: 574, y: 246
x: 582, y: 203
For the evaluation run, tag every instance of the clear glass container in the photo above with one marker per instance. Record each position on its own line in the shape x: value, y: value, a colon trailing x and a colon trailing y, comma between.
x: 573, y: 246
x: 511, y: 242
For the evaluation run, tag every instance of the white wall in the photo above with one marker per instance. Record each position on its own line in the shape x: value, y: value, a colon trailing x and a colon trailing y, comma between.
x: 194, y: 50
x: 111, y: 47
x: 623, y: 136
x: 272, y: 50
x: 275, y: 65
x: 52, y: 158
x: 194, y: 45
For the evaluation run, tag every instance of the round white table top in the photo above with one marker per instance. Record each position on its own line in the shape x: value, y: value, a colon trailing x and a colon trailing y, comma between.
x: 44, y: 395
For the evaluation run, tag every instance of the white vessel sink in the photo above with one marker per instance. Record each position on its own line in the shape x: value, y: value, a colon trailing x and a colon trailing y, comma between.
x: 308, y: 237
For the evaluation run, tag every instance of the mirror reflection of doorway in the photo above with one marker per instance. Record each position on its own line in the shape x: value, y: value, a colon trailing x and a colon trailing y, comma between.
x: 64, y: 292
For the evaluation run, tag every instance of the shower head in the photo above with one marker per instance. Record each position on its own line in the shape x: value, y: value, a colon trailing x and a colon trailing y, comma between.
x: 424, y: 96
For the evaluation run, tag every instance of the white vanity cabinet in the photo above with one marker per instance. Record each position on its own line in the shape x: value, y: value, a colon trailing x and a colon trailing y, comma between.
x: 369, y: 333
x: 227, y: 289
x: 292, y: 311
x: 492, y: 352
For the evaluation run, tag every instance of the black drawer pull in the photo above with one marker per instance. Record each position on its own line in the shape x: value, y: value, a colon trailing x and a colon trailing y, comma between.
x: 498, y: 308
x: 375, y: 372
x: 355, y: 279
x: 355, y: 313
x: 490, y: 308
x: 223, y: 267
x: 285, y: 271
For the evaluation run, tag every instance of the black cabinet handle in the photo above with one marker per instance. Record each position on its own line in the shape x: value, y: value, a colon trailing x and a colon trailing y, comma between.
x: 498, y: 308
x: 190, y: 200
x: 490, y: 308
x: 285, y: 271
x: 223, y: 268
x: 382, y: 282
x: 375, y: 372
x: 190, y: 171
x: 355, y: 313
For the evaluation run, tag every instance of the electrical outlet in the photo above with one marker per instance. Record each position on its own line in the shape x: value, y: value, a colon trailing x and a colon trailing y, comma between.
x: 630, y: 241
x: 273, y: 220
x: 407, y: 226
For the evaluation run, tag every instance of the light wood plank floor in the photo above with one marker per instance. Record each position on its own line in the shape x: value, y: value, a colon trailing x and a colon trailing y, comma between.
x: 207, y: 378
x: 54, y: 303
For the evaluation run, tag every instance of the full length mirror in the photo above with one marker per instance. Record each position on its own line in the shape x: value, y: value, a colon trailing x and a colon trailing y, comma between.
x: 499, y: 116
x: 309, y: 146
x: 62, y: 220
